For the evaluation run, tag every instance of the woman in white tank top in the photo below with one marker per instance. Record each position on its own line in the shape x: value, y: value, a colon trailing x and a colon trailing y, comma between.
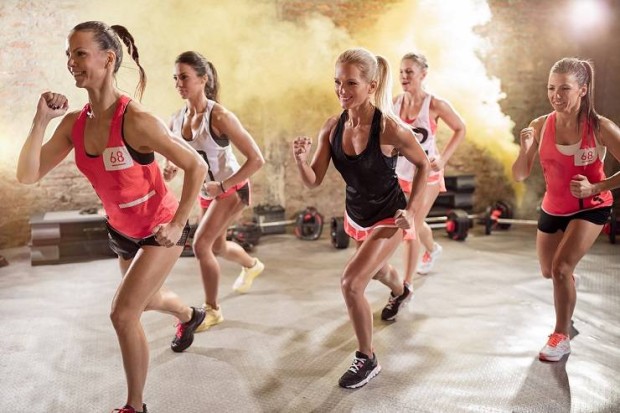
x: 423, y: 111
x: 212, y: 130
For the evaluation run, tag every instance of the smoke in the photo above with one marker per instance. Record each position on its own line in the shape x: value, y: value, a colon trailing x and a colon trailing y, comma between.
x: 268, y: 67
x: 275, y: 74
x: 445, y: 33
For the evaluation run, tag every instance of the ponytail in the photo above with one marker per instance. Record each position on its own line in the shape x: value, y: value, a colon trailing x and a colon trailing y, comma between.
x: 383, y: 94
x: 127, y: 38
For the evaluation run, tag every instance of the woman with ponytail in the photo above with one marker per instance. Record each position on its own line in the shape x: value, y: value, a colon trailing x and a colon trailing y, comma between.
x: 364, y: 142
x: 115, y: 139
x: 423, y: 111
x: 213, y: 131
x: 571, y: 142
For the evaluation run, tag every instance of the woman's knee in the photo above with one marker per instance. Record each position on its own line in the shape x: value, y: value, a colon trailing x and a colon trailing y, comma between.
x: 561, y: 270
x: 202, y: 246
x: 350, y: 286
x: 123, y: 317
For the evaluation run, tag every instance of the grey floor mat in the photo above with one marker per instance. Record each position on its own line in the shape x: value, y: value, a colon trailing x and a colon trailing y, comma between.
x: 467, y: 342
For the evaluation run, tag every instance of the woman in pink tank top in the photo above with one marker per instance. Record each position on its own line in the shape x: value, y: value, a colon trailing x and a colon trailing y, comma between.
x: 571, y: 143
x: 116, y: 140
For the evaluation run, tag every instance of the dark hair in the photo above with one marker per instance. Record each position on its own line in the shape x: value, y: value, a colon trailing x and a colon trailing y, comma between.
x: 202, y: 67
x: 418, y: 59
x: 584, y: 73
x: 107, y: 37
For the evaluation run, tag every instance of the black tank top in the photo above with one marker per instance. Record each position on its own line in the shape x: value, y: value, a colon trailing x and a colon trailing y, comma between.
x: 373, y: 192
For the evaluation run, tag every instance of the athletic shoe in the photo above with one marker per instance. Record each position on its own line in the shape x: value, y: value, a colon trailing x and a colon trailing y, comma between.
x: 429, y: 258
x: 395, y: 303
x: 128, y: 409
x: 185, y: 331
x: 244, y: 280
x: 557, y: 347
x: 361, y: 371
x: 212, y: 318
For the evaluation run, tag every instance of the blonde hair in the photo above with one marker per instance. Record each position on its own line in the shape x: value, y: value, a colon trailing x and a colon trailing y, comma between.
x: 418, y: 59
x: 374, y: 68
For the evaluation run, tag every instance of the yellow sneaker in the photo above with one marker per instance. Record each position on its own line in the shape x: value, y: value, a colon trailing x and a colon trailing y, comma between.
x: 212, y: 318
x: 244, y: 280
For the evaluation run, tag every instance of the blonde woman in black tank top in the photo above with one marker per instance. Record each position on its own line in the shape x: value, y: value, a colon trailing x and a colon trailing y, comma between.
x: 367, y: 135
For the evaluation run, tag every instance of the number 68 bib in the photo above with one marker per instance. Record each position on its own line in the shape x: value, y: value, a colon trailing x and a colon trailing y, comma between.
x: 585, y: 156
x: 117, y: 158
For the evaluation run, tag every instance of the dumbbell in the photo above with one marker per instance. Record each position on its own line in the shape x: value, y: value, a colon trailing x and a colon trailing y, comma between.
x: 457, y: 223
x: 308, y: 224
x: 500, y: 215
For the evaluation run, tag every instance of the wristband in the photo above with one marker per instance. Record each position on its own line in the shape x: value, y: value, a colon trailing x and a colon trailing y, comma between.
x: 222, y: 186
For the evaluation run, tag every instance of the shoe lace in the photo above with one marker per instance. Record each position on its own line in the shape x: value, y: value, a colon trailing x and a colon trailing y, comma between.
x: 357, y: 364
x: 426, y: 258
x: 180, y: 330
x: 125, y: 409
x: 554, y: 339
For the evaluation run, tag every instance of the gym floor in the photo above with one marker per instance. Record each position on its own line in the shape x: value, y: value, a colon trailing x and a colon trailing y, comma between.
x: 467, y: 342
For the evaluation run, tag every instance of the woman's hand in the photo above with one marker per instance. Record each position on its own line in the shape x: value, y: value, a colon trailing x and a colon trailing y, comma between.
x: 580, y: 187
x: 170, y: 170
x: 526, y: 138
x: 213, y: 188
x: 167, y: 235
x: 403, y: 219
x: 301, y: 148
x: 52, y: 105
x: 437, y: 163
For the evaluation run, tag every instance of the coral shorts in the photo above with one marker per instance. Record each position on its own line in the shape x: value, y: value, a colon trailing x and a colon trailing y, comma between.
x: 359, y: 233
x: 242, y: 190
x: 435, y: 178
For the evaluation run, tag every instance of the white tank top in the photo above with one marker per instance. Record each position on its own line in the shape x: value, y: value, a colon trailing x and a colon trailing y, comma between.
x: 423, y: 131
x: 217, y: 152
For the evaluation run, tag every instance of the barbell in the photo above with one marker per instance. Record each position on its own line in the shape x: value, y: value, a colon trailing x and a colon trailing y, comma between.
x: 500, y: 215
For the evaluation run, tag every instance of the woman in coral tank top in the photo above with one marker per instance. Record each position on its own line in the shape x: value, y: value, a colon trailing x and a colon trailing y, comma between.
x: 115, y: 139
x: 571, y: 142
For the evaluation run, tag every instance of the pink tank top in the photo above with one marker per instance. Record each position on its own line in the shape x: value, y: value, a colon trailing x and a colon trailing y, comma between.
x: 559, y: 169
x: 134, y: 196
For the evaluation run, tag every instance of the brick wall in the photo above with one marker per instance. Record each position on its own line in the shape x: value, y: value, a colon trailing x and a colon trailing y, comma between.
x: 525, y: 38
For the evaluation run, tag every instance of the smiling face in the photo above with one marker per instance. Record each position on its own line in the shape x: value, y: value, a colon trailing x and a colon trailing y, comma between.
x: 411, y: 75
x: 88, y: 64
x: 564, y: 92
x: 187, y: 82
x: 351, y: 88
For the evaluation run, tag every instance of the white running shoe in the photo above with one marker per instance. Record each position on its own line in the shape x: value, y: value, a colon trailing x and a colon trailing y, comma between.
x: 244, y: 280
x: 557, y: 347
x: 428, y: 259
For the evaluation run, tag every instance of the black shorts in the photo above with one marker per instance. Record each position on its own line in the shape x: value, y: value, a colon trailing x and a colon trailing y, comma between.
x: 127, y: 247
x: 550, y: 224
